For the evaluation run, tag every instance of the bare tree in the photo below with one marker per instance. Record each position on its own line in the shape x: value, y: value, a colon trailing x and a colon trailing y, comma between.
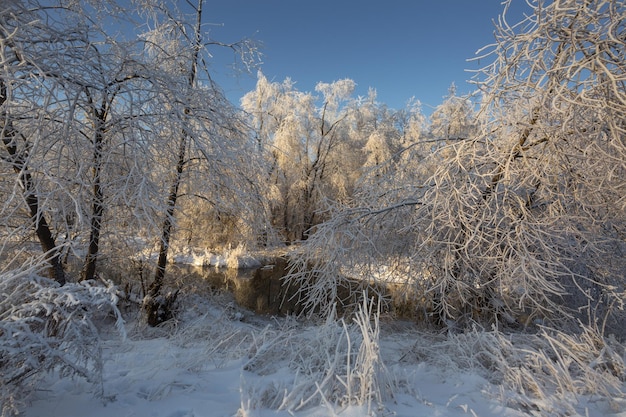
x: 523, y: 221
x: 302, y: 141
x: 17, y: 158
x: 25, y: 45
x: 66, y: 76
x: 154, y: 307
x: 195, y: 110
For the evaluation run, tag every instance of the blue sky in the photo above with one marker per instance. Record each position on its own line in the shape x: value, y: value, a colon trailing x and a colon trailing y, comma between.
x: 402, y: 48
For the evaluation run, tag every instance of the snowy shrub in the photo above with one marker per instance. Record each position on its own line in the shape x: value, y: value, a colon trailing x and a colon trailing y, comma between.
x: 47, y: 328
x: 336, y: 364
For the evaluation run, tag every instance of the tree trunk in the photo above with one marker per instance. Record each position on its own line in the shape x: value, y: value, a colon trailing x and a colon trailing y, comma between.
x: 159, y: 310
x: 157, y: 284
x: 97, y: 209
x: 17, y: 159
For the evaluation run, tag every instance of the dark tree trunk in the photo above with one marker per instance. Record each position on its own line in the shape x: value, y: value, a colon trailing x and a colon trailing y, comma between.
x: 18, y: 158
x: 97, y: 209
x: 155, y: 288
x: 157, y: 308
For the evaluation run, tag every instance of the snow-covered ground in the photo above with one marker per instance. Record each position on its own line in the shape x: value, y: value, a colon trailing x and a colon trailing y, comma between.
x: 220, y: 360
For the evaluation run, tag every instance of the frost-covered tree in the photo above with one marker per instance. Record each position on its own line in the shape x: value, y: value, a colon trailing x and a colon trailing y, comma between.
x: 17, y: 157
x: 209, y: 137
x: 77, y: 95
x: 300, y: 139
x: 454, y: 119
x: 33, y: 52
x: 88, y: 117
x: 167, y: 42
x: 376, y: 125
x: 319, y: 148
x: 524, y: 222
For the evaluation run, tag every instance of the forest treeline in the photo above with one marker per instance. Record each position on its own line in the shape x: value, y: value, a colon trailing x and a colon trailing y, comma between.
x: 505, y: 207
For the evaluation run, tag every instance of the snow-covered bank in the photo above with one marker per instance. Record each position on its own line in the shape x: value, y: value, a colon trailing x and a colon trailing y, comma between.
x: 220, y: 360
x: 237, y: 257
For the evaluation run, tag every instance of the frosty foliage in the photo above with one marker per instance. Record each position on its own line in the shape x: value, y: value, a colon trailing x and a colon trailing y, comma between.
x: 46, y: 328
x: 516, y: 219
x: 315, y: 147
x: 454, y: 119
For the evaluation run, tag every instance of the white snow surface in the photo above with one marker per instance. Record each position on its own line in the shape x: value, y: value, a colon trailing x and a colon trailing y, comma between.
x: 214, y: 361
x: 237, y: 257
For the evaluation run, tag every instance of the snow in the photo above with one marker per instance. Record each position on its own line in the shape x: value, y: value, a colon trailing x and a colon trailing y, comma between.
x: 220, y: 360
x: 237, y: 257
x: 149, y: 378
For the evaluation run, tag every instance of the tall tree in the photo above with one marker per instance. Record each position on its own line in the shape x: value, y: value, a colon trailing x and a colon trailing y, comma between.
x: 112, y: 100
x: 30, y: 111
x: 155, y: 287
x: 208, y: 130
x: 524, y: 219
x: 17, y: 158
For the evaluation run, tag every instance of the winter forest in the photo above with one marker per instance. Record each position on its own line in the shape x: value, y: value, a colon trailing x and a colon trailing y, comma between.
x: 484, y: 244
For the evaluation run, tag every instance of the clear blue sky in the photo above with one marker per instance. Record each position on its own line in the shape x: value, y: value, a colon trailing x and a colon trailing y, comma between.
x: 402, y: 48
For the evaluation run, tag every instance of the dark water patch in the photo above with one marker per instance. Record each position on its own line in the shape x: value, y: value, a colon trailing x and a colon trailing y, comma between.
x: 264, y: 290
x: 261, y: 289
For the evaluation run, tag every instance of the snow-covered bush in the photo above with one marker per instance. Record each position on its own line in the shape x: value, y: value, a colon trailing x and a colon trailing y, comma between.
x: 48, y: 328
x: 336, y: 364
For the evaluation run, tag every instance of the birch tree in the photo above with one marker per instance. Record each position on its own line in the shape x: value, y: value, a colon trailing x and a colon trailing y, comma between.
x: 301, y: 140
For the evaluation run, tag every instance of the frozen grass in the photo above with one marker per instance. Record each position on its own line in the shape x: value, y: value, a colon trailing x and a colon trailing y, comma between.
x: 336, y: 365
x: 548, y: 372
x: 217, y: 359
